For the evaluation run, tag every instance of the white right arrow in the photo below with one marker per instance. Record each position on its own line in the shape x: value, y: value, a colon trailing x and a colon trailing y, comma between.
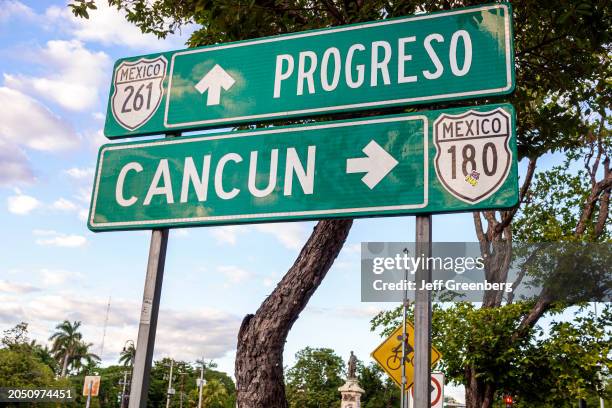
x: 212, y: 82
x: 376, y: 165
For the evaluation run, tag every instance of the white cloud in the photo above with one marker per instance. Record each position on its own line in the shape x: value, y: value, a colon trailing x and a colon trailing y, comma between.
x: 180, y: 232
x: 18, y: 288
x: 63, y: 204
x: 97, y: 139
x: 83, y: 214
x: 74, y: 75
x: 107, y: 26
x: 228, y: 234
x: 351, y: 248
x: 291, y: 235
x: 26, y: 122
x: 58, y: 277
x: 13, y: 8
x: 352, y: 312
x: 79, y: 174
x: 234, y: 274
x: 68, y: 206
x: 215, y: 335
x: 84, y: 195
x: 54, y: 238
x: 22, y: 204
x: 15, y: 167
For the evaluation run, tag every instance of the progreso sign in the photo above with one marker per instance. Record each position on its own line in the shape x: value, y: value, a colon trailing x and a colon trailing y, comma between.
x: 457, y: 54
x: 460, y: 159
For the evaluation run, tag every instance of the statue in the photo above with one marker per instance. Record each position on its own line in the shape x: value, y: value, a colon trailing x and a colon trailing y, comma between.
x: 351, y: 392
x: 352, y: 366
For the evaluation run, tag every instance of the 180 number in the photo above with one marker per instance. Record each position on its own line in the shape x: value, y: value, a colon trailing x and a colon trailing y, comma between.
x: 468, y: 159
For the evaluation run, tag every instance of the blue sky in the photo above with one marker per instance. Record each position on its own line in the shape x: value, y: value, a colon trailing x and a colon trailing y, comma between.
x: 55, y: 77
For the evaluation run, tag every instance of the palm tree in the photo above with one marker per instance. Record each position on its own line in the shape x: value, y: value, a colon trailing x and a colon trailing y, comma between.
x: 127, y: 355
x: 66, y: 340
x: 44, y: 354
x: 83, y: 359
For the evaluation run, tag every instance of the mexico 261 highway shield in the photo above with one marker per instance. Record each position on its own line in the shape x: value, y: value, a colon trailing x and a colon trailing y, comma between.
x: 138, y: 91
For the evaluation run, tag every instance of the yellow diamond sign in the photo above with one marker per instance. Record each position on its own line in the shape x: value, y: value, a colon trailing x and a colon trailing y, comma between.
x: 389, y: 356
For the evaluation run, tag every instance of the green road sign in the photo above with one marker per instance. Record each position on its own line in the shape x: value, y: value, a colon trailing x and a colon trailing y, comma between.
x: 457, y: 54
x: 436, y: 161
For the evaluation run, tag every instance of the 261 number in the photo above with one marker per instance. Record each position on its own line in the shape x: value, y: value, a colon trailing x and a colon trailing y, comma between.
x: 468, y: 156
x: 137, y: 100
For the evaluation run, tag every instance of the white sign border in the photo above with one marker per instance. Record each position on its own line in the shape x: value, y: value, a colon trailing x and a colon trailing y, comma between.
x: 277, y: 115
x: 180, y: 140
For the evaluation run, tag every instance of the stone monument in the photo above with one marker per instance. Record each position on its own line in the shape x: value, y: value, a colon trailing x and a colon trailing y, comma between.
x: 351, y: 391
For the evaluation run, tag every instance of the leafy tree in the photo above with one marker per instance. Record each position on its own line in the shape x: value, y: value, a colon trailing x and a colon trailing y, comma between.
x: 20, y: 364
x: 127, y: 355
x: 380, y: 390
x: 66, y: 340
x: 545, y: 368
x: 16, y: 336
x: 315, y: 378
x: 562, y: 100
x: 83, y: 360
x: 210, y: 374
x: 214, y: 395
x: 159, y: 385
x: 44, y: 354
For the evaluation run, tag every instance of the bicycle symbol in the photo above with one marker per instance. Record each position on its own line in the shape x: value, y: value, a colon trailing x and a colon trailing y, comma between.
x: 395, y: 361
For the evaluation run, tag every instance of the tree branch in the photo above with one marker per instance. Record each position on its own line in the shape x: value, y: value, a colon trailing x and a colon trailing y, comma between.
x: 333, y: 10
x: 508, y: 216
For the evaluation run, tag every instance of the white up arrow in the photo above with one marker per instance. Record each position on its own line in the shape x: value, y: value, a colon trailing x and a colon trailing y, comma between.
x: 216, y: 79
x: 376, y: 165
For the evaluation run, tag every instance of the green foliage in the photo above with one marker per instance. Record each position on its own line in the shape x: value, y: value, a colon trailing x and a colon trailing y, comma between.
x: 22, y: 362
x: 314, y: 379
x: 380, y: 390
x: 220, y: 391
x: 21, y: 369
x: 126, y: 358
x: 553, y: 206
x: 548, y: 366
x: 214, y: 395
x: 25, y: 363
x: 70, y: 351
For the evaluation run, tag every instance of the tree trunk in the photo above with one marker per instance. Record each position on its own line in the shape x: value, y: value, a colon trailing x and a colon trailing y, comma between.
x: 65, y: 365
x: 477, y: 393
x: 261, y: 339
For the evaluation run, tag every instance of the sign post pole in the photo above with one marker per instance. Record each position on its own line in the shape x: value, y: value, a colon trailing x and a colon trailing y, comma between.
x: 148, y: 318
x: 404, y: 392
x: 89, y: 394
x: 422, y: 316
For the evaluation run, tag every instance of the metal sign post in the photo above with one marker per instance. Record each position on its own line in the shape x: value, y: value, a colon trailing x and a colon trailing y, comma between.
x: 148, y: 318
x: 422, y: 316
x: 89, y: 394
